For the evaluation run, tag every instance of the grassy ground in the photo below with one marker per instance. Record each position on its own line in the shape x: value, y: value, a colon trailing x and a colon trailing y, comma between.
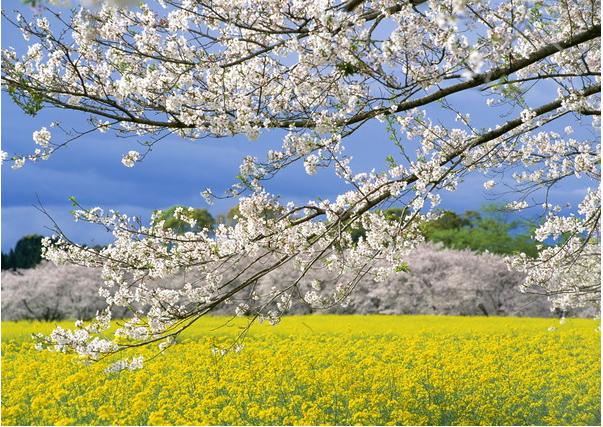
x: 323, y: 370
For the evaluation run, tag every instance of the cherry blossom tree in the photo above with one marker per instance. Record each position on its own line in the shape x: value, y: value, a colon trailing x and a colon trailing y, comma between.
x: 319, y: 70
x: 49, y: 292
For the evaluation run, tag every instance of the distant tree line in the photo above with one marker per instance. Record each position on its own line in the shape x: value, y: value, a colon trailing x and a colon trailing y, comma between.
x: 491, y: 230
x: 439, y: 281
x: 488, y: 230
x: 26, y: 254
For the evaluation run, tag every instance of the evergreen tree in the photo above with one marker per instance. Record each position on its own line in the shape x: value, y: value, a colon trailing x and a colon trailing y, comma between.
x: 26, y: 254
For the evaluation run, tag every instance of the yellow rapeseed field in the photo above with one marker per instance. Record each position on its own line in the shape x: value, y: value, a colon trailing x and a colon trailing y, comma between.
x: 323, y: 370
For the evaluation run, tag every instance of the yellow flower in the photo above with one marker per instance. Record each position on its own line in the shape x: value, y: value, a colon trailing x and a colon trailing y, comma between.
x: 394, y: 370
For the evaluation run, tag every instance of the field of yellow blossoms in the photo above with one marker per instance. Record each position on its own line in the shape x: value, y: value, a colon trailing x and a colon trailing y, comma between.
x: 323, y: 370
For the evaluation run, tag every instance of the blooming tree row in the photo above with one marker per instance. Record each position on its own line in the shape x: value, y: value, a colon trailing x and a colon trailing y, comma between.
x: 442, y: 281
x: 50, y: 293
x: 320, y: 70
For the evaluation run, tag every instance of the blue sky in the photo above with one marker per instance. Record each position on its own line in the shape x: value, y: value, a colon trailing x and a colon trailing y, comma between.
x: 174, y: 173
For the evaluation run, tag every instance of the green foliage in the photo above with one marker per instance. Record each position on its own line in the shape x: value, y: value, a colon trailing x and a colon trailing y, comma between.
x: 202, y: 216
x: 357, y: 232
x: 28, y: 99
x: 490, y: 231
x: 449, y: 220
x: 26, y: 254
x: 404, y: 267
x: 391, y: 162
x: 394, y: 214
x: 347, y: 68
x: 230, y: 218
